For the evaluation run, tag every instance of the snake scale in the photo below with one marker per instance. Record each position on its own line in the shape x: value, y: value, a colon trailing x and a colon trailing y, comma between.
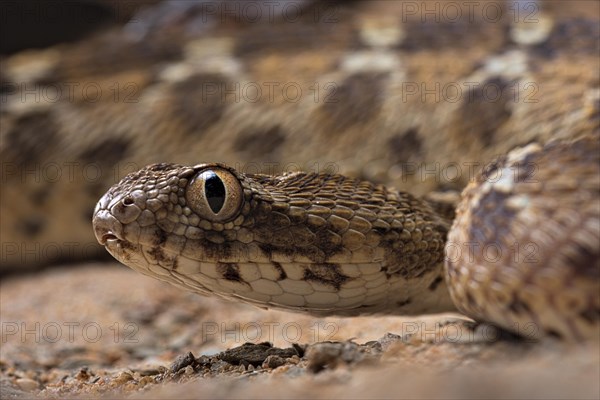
x: 368, y: 97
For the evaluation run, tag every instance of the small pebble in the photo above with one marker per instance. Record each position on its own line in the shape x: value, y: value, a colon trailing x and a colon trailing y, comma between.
x: 123, y: 378
x: 182, y: 361
x: 273, y: 362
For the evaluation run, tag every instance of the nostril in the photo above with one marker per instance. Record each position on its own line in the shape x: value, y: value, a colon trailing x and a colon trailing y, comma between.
x: 106, y: 227
x: 125, y: 209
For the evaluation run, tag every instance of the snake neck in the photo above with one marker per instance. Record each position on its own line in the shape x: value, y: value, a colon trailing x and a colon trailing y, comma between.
x: 318, y: 243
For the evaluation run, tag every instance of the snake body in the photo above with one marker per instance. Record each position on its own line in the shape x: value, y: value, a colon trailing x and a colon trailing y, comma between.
x: 327, y: 244
x: 370, y: 96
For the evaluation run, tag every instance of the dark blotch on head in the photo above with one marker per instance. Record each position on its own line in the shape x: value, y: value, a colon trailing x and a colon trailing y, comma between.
x: 230, y: 271
x: 163, y: 258
x: 279, y: 268
x: 215, y: 251
x: 327, y: 274
x: 161, y: 237
x: 269, y: 249
x: 326, y: 246
x: 158, y: 254
x: 326, y: 242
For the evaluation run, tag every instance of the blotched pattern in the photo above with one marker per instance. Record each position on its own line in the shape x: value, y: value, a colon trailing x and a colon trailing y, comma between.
x: 324, y: 244
x: 371, y: 90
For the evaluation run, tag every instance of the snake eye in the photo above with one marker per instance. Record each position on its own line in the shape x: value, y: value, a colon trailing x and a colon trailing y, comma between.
x: 215, y: 194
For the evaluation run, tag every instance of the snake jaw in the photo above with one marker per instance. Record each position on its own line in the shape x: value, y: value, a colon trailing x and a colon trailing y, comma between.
x: 300, y: 242
x: 110, y: 213
x: 109, y: 239
x: 107, y: 228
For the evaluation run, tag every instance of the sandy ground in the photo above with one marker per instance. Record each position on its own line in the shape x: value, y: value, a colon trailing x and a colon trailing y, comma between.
x: 105, y: 331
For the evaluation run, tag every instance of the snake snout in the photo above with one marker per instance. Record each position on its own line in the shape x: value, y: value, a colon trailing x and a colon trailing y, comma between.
x: 106, y: 227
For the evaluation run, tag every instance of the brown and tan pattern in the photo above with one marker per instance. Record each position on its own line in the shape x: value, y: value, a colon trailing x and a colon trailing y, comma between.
x: 379, y: 91
x: 320, y: 243
x: 522, y: 252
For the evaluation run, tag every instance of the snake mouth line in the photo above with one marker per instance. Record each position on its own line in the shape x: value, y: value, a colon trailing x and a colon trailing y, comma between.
x: 108, y: 229
x: 109, y: 239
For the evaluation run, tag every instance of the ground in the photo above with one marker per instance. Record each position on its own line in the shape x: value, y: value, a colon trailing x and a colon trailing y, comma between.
x: 103, y: 330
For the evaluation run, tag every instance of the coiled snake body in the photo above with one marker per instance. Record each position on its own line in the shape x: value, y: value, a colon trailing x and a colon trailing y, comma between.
x: 384, y: 92
x: 328, y: 244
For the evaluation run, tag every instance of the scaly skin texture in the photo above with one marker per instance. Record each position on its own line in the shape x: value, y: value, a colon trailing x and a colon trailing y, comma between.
x: 319, y: 243
x: 377, y: 91
x: 377, y: 102
x: 523, y: 251
x: 327, y: 244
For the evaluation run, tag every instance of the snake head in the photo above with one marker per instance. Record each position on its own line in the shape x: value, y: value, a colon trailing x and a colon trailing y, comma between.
x: 154, y: 217
x: 302, y: 241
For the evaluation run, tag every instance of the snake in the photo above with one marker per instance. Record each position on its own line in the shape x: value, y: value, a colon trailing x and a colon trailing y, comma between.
x: 327, y: 244
x: 449, y: 156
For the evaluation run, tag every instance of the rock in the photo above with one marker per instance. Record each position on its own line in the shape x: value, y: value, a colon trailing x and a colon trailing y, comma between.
x: 182, y: 362
x: 254, y: 354
x: 273, y: 361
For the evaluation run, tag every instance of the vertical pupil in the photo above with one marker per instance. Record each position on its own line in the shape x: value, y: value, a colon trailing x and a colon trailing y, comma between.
x: 215, y: 191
